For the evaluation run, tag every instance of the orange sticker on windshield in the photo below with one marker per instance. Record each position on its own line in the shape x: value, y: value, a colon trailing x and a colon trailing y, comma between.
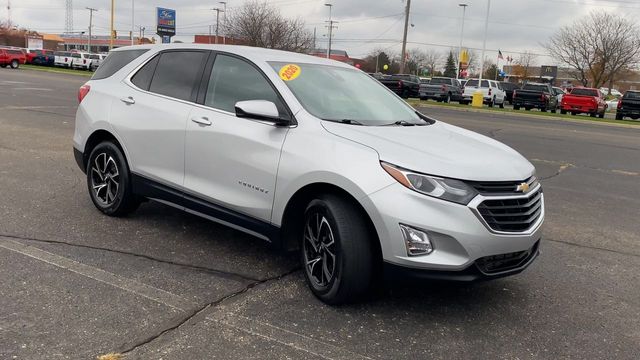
x: 289, y: 72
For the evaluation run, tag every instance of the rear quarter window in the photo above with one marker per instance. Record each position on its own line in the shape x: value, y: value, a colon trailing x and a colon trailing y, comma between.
x: 116, y: 61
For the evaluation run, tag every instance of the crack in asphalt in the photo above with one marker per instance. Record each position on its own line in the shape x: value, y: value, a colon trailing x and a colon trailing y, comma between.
x: 565, y: 165
x: 592, y: 247
x: 205, y: 307
x: 220, y: 273
x: 492, y: 133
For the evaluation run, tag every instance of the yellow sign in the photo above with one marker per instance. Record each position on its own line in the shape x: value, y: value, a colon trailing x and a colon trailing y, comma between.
x: 289, y: 72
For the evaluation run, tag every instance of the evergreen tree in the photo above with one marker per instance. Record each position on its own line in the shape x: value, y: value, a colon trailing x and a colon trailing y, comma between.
x: 450, y: 69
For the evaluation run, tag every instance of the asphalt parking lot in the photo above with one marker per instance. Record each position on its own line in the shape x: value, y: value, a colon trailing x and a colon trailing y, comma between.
x: 162, y: 284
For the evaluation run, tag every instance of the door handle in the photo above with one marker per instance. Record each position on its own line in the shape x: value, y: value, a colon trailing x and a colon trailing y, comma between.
x: 204, y: 121
x: 128, y: 100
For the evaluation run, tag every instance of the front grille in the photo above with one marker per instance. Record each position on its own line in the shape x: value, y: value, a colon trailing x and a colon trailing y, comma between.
x: 504, y: 262
x: 512, y: 215
x: 501, y: 187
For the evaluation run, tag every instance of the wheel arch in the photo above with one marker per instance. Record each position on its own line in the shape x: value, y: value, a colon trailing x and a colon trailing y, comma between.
x: 293, y: 215
x: 96, y: 138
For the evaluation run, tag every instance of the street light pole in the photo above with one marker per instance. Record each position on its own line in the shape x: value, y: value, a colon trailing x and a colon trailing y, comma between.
x: 484, y: 43
x: 464, y: 10
x: 404, y: 37
x: 113, y: 5
x: 91, y: 10
x: 133, y: 17
x: 330, y: 29
x: 224, y: 21
x: 217, y: 10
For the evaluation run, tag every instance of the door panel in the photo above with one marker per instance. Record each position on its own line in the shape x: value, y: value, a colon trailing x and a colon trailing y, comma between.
x: 151, y: 113
x: 231, y: 161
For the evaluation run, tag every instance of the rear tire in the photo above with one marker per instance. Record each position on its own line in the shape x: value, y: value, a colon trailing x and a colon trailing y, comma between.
x: 448, y: 98
x: 619, y: 117
x: 592, y: 114
x: 502, y: 105
x: 574, y: 113
x: 336, y: 252
x: 601, y: 115
x: 528, y: 108
x: 563, y: 112
x: 516, y: 107
x: 15, y: 64
x: 109, y: 181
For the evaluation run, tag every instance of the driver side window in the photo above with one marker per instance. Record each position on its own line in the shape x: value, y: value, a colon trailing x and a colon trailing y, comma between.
x: 234, y: 80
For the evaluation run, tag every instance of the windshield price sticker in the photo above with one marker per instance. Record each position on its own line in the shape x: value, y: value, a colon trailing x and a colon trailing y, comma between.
x: 289, y: 72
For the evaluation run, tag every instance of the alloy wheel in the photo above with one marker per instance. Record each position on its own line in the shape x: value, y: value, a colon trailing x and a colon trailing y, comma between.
x: 319, y: 250
x: 105, y: 179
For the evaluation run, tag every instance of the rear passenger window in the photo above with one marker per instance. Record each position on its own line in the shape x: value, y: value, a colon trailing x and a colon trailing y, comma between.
x: 178, y: 73
x: 116, y: 61
x: 142, y: 78
x: 234, y: 80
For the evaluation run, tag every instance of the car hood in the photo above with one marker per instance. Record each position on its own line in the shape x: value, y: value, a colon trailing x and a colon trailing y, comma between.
x: 439, y: 149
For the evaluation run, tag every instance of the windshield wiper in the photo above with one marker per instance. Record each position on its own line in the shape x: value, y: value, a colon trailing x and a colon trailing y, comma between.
x: 404, y: 123
x: 345, y: 121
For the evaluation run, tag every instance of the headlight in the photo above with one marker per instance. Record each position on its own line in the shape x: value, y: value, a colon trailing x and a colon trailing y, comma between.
x: 441, y: 188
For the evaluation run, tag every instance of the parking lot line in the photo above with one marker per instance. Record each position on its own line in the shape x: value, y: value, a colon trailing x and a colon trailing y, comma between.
x: 158, y: 295
x: 286, y: 337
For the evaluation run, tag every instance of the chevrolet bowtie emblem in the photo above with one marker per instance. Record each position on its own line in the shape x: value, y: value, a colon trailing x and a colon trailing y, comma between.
x: 523, y: 187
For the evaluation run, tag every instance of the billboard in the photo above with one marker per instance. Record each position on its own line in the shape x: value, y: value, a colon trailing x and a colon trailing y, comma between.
x: 35, y: 43
x: 166, y: 22
x: 549, y: 71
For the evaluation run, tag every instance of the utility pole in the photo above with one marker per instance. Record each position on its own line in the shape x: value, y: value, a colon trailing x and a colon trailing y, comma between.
x: 91, y: 10
x: 113, y: 5
x: 9, y: 13
x: 484, y: 44
x: 330, y: 22
x: 224, y: 21
x: 133, y: 17
x: 464, y: 10
x: 314, y: 38
x: 217, y: 10
x: 404, y: 37
x: 142, y: 29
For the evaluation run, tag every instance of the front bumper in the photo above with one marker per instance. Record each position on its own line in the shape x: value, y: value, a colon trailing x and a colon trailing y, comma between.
x: 475, y: 272
x: 459, y: 236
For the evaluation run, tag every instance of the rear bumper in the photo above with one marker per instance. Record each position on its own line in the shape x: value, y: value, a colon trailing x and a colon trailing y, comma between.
x: 477, y: 271
x: 578, y: 108
x: 79, y: 156
x: 530, y: 103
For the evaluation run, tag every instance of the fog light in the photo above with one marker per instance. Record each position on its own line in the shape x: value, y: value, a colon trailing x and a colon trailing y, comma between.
x: 416, y: 241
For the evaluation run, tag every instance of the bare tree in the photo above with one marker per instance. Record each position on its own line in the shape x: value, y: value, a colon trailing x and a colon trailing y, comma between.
x: 416, y: 60
x: 260, y: 24
x: 431, y: 60
x: 597, y: 47
x: 524, y: 65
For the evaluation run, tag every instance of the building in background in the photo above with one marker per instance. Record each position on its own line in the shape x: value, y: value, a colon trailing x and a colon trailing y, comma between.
x: 338, y: 55
x: 212, y: 39
x: 99, y: 44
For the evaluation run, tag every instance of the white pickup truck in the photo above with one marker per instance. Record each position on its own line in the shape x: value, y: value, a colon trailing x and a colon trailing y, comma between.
x: 492, y: 92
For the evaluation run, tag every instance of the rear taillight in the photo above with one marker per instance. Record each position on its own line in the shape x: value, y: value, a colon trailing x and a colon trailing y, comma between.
x: 514, y: 93
x: 620, y: 104
x: 489, y: 91
x: 400, y: 83
x: 82, y: 92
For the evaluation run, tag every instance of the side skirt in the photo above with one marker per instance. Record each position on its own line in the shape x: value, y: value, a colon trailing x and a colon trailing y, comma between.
x: 173, y: 197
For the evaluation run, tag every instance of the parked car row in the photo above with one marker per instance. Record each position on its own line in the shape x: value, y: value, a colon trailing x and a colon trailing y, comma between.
x: 78, y: 60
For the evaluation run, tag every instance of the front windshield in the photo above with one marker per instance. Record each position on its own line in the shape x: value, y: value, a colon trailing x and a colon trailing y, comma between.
x: 342, y: 94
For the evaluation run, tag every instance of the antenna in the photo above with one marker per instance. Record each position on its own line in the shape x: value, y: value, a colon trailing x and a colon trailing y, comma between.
x: 69, y: 17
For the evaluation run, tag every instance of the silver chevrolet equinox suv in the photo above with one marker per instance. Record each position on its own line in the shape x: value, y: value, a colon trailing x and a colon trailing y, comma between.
x: 308, y: 154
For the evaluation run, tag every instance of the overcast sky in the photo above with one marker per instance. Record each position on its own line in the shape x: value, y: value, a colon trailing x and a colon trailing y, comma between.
x: 514, y: 26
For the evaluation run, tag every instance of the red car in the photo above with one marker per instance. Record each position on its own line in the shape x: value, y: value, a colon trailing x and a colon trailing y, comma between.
x: 583, y: 100
x: 11, y: 57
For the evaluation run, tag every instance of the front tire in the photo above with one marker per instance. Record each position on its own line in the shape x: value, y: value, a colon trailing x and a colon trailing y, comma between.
x: 109, y: 181
x: 336, y: 250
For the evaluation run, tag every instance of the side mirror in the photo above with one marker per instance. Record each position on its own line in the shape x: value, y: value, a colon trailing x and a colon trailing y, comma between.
x: 259, y: 110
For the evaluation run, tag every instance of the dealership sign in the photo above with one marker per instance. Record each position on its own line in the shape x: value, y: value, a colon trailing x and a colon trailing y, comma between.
x: 166, y: 22
x: 35, y: 42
